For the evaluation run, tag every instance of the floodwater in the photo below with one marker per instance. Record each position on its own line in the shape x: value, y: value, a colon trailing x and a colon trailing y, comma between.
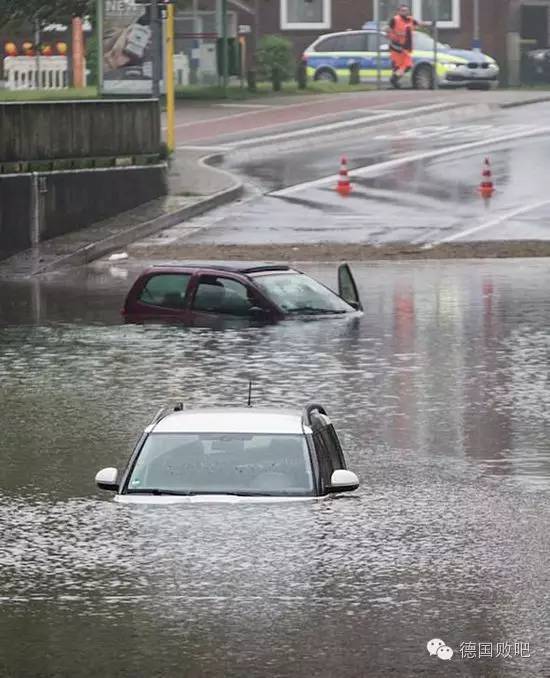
x: 441, y: 396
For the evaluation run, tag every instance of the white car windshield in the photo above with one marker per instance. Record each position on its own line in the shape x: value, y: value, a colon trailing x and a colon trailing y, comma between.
x: 298, y: 293
x: 223, y: 463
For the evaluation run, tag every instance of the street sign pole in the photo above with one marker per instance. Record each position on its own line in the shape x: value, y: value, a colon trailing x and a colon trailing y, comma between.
x: 156, y: 45
x: 378, y: 51
x: 170, y: 92
x: 436, y: 37
x: 225, y: 56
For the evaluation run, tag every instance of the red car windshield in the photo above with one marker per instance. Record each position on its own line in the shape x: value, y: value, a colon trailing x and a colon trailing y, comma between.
x: 298, y: 293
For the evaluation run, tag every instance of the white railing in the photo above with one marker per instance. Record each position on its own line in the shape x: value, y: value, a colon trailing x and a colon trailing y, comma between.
x: 27, y: 72
x: 181, y: 69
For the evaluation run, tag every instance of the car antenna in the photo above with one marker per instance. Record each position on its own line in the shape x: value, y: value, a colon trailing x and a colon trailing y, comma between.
x: 250, y: 393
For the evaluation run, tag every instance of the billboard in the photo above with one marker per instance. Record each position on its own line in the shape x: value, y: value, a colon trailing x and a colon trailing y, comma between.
x: 127, y: 48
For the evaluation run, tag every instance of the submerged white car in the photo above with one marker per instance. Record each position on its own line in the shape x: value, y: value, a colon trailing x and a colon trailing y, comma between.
x: 233, y: 454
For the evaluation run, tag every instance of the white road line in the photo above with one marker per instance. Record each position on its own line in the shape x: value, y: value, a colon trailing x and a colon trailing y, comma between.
x: 415, y: 157
x: 245, y: 113
x: 493, y: 222
x: 244, y: 106
x: 332, y: 126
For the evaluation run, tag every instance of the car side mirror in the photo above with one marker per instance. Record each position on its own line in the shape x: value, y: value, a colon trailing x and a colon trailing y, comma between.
x: 343, y: 480
x: 106, y: 479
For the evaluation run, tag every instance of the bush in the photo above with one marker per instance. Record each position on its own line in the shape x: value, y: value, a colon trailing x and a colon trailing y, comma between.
x: 275, y: 52
x: 92, y: 57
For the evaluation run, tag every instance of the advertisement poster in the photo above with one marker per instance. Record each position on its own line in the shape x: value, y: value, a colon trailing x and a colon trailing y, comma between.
x: 127, y: 48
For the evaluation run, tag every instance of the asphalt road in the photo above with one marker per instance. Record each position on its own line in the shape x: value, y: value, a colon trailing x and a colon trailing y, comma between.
x: 417, y: 184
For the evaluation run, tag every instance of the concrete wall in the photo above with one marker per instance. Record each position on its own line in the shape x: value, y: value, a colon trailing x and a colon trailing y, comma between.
x: 78, y: 129
x: 62, y: 202
x: 15, y: 213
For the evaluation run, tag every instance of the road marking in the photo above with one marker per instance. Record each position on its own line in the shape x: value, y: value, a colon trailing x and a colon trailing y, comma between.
x: 381, y: 167
x: 448, y: 131
x: 493, y: 222
x: 333, y: 126
x: 245, y: 106
x: 284, y: 107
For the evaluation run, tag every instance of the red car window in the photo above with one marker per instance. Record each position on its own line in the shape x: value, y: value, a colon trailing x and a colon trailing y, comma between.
x: 166, y: 290
x: 217, y: 294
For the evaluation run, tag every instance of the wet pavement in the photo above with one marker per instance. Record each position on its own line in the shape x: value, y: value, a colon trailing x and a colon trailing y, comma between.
x: 441, y: 396
x: 230, y: 122
x: 416, y: 184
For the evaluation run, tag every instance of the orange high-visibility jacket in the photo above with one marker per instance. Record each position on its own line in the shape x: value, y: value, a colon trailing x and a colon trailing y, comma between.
x: 400, y: 33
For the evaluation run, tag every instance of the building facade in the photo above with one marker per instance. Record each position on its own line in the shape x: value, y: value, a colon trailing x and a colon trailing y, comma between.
x: 505, y: 27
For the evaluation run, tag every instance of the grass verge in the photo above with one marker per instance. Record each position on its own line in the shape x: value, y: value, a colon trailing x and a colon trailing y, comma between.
x: 48, y: 95
x: 236, y: 92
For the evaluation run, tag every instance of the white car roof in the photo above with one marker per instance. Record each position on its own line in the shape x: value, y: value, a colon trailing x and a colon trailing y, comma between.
x: 231, y: 420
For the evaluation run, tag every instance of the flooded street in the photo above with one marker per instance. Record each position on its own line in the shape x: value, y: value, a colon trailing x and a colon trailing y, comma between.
x: 440, y: 394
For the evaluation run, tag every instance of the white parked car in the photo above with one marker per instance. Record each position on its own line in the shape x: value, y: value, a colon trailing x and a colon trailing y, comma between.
x: 233, y: 454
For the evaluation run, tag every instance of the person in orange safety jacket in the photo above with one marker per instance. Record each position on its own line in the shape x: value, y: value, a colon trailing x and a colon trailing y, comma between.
x: 400, y: 33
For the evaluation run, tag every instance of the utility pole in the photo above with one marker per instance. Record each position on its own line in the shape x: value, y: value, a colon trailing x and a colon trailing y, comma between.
x: 170, y: 93
x: 225, y: 56
x: 99, y: 22
x: 476, y: 42
x: 156, y: 49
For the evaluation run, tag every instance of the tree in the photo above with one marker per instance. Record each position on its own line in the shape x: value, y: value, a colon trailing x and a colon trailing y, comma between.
x: 14, y: 12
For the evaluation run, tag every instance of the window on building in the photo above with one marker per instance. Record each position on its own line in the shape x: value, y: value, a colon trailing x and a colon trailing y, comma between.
x: 423, y: 10
x: 305, y: 14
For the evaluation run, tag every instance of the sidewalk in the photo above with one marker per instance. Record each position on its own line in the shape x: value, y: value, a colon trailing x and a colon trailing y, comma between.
x: 195, y: 187
x: 205, y: 132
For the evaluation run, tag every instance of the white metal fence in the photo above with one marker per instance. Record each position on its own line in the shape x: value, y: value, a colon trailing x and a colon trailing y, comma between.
x: 27, y: 72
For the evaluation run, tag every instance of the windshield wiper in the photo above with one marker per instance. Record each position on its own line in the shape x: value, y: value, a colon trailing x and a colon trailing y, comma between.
x: 190, y: 493
x: 312, y: 310
x: 157, y: 491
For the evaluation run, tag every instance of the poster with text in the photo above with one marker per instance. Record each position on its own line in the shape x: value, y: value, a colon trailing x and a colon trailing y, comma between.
x: 127, y: 48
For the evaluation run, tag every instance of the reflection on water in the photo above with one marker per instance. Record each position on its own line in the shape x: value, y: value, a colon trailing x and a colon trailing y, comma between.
x: 440, y: 393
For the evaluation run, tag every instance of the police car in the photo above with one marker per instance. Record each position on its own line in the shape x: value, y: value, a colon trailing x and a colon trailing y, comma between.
x: 330, y: 56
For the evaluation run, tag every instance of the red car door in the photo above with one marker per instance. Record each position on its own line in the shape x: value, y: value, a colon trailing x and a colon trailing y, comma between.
x: 160, y: 295
x: 217, y: 299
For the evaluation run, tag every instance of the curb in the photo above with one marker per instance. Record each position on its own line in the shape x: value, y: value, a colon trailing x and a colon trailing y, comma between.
x: 517, y: 104
x: 99, y: 249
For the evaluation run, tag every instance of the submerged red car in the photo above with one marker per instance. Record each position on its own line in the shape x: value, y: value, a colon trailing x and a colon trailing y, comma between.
x: 265, y: 292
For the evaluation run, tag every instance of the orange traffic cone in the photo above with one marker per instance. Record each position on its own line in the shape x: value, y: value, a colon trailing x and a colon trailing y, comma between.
x: 343, y: 186
x: 486, y: 187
